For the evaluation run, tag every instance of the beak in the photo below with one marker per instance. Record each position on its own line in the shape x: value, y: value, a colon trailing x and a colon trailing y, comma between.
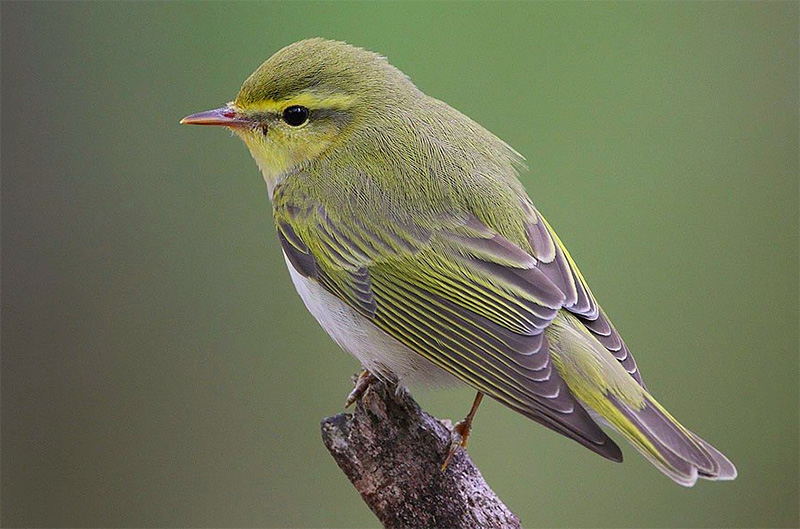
x: 225, y: 116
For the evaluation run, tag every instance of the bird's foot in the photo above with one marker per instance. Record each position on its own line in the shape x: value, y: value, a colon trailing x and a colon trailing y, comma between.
x: 458, y: 437
x: 363, y: 381
x: 460, y: 432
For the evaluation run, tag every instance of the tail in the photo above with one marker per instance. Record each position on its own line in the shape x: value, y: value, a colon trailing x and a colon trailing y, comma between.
x: 605, y: 388
x: 672, y: 448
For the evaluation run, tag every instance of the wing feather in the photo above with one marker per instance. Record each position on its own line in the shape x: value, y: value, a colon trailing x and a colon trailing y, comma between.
x: 557, y: 265
x: 478, y: 314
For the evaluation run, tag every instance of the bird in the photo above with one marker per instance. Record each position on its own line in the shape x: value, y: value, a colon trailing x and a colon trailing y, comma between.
x: 411, y: 240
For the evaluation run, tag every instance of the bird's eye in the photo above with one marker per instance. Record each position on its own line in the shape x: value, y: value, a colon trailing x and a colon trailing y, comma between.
x: 295, y: 115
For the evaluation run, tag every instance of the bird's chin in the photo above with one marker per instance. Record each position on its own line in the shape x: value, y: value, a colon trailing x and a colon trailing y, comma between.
x: 272, y: 164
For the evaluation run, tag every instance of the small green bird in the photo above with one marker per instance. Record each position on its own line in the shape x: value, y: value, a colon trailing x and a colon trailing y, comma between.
x: 411, y: 240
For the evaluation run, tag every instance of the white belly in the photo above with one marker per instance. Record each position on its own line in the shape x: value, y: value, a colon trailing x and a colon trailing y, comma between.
x: 378, y: 352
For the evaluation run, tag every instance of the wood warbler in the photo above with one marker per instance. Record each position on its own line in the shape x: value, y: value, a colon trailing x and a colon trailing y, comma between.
x: 411, y: 240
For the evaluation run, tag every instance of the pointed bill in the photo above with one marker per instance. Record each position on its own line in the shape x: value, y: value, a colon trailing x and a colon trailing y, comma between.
x: 224, y: 116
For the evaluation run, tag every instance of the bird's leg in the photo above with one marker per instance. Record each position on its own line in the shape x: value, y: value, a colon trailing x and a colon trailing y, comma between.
x: 461, y: 431
x: 365, y: 378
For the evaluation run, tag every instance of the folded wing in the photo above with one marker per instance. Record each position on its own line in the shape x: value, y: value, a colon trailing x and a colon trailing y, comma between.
x: 460, y: 295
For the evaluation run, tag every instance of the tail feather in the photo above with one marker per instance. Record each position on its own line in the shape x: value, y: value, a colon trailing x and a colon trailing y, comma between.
x: 725, y: 469
x: 608, y: 391
x: 673, y: 449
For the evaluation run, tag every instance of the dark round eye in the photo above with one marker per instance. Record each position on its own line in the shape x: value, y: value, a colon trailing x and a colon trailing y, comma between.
x: 295, y: 115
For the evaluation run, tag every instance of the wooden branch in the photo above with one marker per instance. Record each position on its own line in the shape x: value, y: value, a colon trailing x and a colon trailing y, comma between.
x: 392, y: 452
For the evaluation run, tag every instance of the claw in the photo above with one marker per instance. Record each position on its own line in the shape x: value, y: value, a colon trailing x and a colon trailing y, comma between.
x: 459, y: 437
x: 461, y: 431
x: 365, y: 378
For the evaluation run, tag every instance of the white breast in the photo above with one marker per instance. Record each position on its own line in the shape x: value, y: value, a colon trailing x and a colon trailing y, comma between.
x: 377, y: 351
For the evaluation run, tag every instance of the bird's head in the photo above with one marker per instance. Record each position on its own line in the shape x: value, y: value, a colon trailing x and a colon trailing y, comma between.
x: 304, y: 99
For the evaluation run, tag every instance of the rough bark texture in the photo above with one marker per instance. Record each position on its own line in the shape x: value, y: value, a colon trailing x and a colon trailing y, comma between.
x: 392, y: 452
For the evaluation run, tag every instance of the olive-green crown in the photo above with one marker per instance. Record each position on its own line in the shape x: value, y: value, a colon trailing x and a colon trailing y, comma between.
x: 321, y: 65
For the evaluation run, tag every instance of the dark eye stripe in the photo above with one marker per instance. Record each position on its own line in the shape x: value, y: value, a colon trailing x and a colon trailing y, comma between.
x: 338, y: 117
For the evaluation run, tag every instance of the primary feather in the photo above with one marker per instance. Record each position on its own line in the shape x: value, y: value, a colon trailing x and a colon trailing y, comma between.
x: 405, y: 225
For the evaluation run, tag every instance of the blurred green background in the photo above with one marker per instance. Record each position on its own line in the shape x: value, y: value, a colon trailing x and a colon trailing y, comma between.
x: 158, y: 368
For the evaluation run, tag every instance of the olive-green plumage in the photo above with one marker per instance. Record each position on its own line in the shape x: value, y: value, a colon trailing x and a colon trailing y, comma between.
x: 412, y: 241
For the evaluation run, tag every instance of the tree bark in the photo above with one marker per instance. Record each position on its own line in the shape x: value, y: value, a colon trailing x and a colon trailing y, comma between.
x: 392, y: 452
